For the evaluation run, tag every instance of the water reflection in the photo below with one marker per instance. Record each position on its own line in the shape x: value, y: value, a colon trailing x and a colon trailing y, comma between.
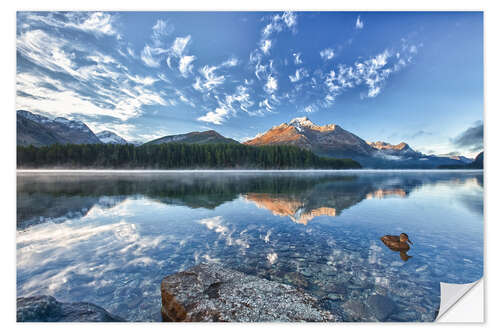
x: 110, y: 238
x: 45, y: 197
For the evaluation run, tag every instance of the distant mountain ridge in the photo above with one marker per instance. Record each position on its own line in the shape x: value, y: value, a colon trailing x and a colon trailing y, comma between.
x: 110, y: 137
x: 210, y: 136
x: 401, y: 150
x: 326, y: 140
x: 37, y: 130
x: 334, y: 141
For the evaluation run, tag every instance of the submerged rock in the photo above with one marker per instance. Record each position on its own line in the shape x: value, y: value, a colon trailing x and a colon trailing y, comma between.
x: 356, y: 311
x: 381, y: 306
x: 211, y: 292
x: 48, y: 309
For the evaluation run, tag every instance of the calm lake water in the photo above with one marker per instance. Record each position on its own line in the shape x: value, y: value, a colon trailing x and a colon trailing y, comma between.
x: 109, y: 238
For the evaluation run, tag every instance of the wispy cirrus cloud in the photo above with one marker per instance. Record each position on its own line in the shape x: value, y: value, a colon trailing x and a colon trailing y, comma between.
x: 230, y: 62
x: 265, y: 45
x: 161, y: 30
x: 296, y: 58
x: 271, y: 84
x: 359, y: 24
x: 97, y: 23
x: 372, y: 72
x: 229, y: 105
x: 210, y: 79
x: 94, y: 84
x: 186, y: 65
x: 299, y: 75
x: 48, y: 51
x: 327, y: 54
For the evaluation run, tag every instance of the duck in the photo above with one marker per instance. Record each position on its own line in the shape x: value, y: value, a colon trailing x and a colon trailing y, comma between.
x: 397, y: 243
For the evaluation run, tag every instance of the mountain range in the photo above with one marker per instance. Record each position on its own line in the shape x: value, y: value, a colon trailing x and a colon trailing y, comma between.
x: 334, y: 141
x: 37, y: 130
x: 328, y: 140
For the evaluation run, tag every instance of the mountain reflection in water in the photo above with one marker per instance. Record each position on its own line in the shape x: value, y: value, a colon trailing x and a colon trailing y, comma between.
x: 41, y: 198
x: 109, y: 239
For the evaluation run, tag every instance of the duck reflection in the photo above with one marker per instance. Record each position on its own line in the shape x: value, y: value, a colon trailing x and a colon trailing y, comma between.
x: 398, y: 244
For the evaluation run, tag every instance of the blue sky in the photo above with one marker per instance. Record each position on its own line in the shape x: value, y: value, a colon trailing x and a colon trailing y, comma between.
x: 390, y: 76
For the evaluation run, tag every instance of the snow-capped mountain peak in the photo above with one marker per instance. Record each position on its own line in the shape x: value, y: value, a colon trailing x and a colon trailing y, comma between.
x: 110, y: 137
x: 301, y: 121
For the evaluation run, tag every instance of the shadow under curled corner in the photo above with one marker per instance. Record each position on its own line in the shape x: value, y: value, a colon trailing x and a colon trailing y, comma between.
x: 462, y: 302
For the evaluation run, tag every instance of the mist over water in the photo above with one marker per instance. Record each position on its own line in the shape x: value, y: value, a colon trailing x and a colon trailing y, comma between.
x: 110, y: 238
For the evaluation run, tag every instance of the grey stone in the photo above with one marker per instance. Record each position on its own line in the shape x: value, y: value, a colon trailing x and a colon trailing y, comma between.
x: 356, y: 310
x: 48, y: 309
x: 381, y: 306
x: 212, y: 292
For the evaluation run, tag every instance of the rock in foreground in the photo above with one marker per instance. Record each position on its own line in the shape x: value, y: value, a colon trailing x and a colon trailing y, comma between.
x: 381, y: 306
x: 48, y: 309
x: 211, y: 292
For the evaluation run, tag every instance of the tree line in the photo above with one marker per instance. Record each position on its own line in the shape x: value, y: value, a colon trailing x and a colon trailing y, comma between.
x: 175, y: 156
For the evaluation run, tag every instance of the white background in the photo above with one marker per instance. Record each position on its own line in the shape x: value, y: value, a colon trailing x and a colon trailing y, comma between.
x: 8, y: 140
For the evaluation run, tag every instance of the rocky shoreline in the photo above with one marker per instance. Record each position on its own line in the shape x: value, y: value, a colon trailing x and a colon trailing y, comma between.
x: 48, y: 309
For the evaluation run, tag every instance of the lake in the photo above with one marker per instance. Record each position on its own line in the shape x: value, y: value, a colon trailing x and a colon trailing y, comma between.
x: 110, y: 238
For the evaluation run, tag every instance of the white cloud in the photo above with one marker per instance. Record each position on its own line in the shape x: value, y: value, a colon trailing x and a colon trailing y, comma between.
x: 241, y: 98
x: 163, y: 77
x: 265, y: 46
x: 373, y: 91
x: 327, y: 54
x: 47, y: 51
x: 280, y: 22
x: 309, y: 109
x: 160, y: 30
x: 211, y: 80
x: 180, y: 45
x: 231, y: 62
x: 290, y: 19
x: 260, y: 69
x: 299, y: 75
x: 265, y: 104
x: 100, y: 23
x: 216, y: 117
x: 296, y: 59
x: 104, y: 87
x: 229, y: 105
x: 183, y: 98
x: 372, y: 72
x: 97, y: 23
x: 122, y: 97
x: 60, y: 102
x: 131, y: 52
x: 359, y: 23
x: 143, y: 80
x: 185, y: 65
x: 149, y: 56
x: 271, y: 84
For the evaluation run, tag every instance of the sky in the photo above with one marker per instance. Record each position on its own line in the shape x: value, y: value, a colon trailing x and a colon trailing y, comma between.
x: 415, y: 77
